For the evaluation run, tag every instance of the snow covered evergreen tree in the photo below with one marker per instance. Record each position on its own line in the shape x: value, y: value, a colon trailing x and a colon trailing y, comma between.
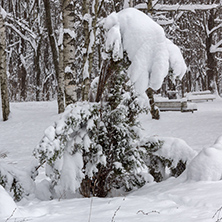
x: 94, y: 148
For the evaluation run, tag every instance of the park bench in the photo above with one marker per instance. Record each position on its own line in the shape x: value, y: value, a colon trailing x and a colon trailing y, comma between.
x: 200, y: 96
x: 175, y: 105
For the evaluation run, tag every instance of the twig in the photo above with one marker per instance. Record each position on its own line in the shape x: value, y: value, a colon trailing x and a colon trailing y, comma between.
x: 218, y: 215
x: 90, y: 212
x: 11, y: 215
x: 115, y: 214
x: 154, y: 211
x: 23, y: 220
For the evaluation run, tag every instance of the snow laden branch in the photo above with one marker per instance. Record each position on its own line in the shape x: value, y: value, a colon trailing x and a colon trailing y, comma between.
x: 177, y: 7
x: 21, y: 24
x: 214, y: 29
x: 71, y: 33
x: 10, y: 21
x: 217, y: 47
x: 32, y: 43
x: 150, y: 52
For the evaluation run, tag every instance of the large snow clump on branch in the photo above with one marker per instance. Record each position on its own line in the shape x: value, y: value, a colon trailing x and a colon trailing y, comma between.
x: 176, y: 61
x: 148, y: 49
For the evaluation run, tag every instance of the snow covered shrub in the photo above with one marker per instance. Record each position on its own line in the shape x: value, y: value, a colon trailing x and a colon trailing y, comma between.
x: 94, y: 148
x: 16, y: 182
x: 166, y: 157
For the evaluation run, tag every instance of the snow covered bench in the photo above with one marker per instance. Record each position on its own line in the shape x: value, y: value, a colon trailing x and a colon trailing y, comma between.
x: 175, y: 105
x: 200, y: 96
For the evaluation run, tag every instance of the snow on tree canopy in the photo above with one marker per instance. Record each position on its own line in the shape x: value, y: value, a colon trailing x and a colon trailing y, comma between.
x: 147, y: 47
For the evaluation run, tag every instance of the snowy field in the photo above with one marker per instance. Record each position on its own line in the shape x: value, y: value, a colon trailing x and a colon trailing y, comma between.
x: 175, y: 200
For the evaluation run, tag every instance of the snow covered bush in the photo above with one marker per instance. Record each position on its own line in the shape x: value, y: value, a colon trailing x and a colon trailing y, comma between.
x: 17, y: 183
x: 166, y: 157
x: 94, y: 148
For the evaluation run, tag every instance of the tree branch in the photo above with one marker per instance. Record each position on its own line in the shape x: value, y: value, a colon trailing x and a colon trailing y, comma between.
x: 217, y: 47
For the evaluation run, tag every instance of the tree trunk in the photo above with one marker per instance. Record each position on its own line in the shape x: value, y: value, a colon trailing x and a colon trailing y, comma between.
x: 38, y: 70
x: 90, y: 35
x: 149, y: 6
x: 128, y: 3
x: 3, y: 72
x: 211, y: 60
x: 154, y: 111
x: 86, y: 69
x: 56, y: 58
x: 71, y: 88
x: 109, y: 67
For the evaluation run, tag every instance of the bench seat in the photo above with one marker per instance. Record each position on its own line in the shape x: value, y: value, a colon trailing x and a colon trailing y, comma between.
x: 175, y: 105
x: 200, y: 96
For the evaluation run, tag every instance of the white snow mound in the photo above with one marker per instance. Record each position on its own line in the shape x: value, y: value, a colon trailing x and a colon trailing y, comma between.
x: 207, y: 165
x: 7, y: 205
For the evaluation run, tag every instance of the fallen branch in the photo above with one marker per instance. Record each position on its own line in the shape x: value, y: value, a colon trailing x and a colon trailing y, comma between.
x: 141, y: 211
x: 115, y: 214
x: 13, y: 212
x: 217, y: 214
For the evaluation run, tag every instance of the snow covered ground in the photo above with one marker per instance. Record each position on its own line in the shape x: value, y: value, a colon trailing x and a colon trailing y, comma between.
x: 172, y: 200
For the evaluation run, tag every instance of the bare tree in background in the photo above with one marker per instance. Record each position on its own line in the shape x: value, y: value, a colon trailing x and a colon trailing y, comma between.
x: 3, y: 71
x: 55, y: 56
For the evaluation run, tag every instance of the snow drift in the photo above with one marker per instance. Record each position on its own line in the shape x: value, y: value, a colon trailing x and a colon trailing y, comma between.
x: 7, y: 205
x: 207, y: 165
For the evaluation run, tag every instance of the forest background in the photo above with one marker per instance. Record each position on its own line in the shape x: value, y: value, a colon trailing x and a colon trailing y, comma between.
x: 54, y: 48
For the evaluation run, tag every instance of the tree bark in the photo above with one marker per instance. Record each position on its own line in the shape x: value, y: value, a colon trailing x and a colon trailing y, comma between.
x: 70, y: 79
x: 86, y: 66
x: 56, y: 58
x: 38, y: 70
x: 154, y: 111
x: 109, y: 67
x: 211, y: 60
x: 3, y: 72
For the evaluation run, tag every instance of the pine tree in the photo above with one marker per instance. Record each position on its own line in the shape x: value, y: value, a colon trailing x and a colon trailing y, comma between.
x: 104, y: 136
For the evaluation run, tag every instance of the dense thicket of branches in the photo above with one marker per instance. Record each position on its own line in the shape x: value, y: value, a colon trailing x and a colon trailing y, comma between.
x: 198, y: 33
x: 31, y: 63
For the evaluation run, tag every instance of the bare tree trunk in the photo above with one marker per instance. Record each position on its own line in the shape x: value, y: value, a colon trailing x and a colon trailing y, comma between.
x: 128, y: 3
x: 154, y: 111
x: 149, y: 6
x: 60, y: 79
x: 109, y: 67
x: 71, y: 88
x: 38, y: 70
x: 90, y: 35
x: 3, y: 72
x: 211, y: 60
x: 55, y: 55
x: 86, y: 66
